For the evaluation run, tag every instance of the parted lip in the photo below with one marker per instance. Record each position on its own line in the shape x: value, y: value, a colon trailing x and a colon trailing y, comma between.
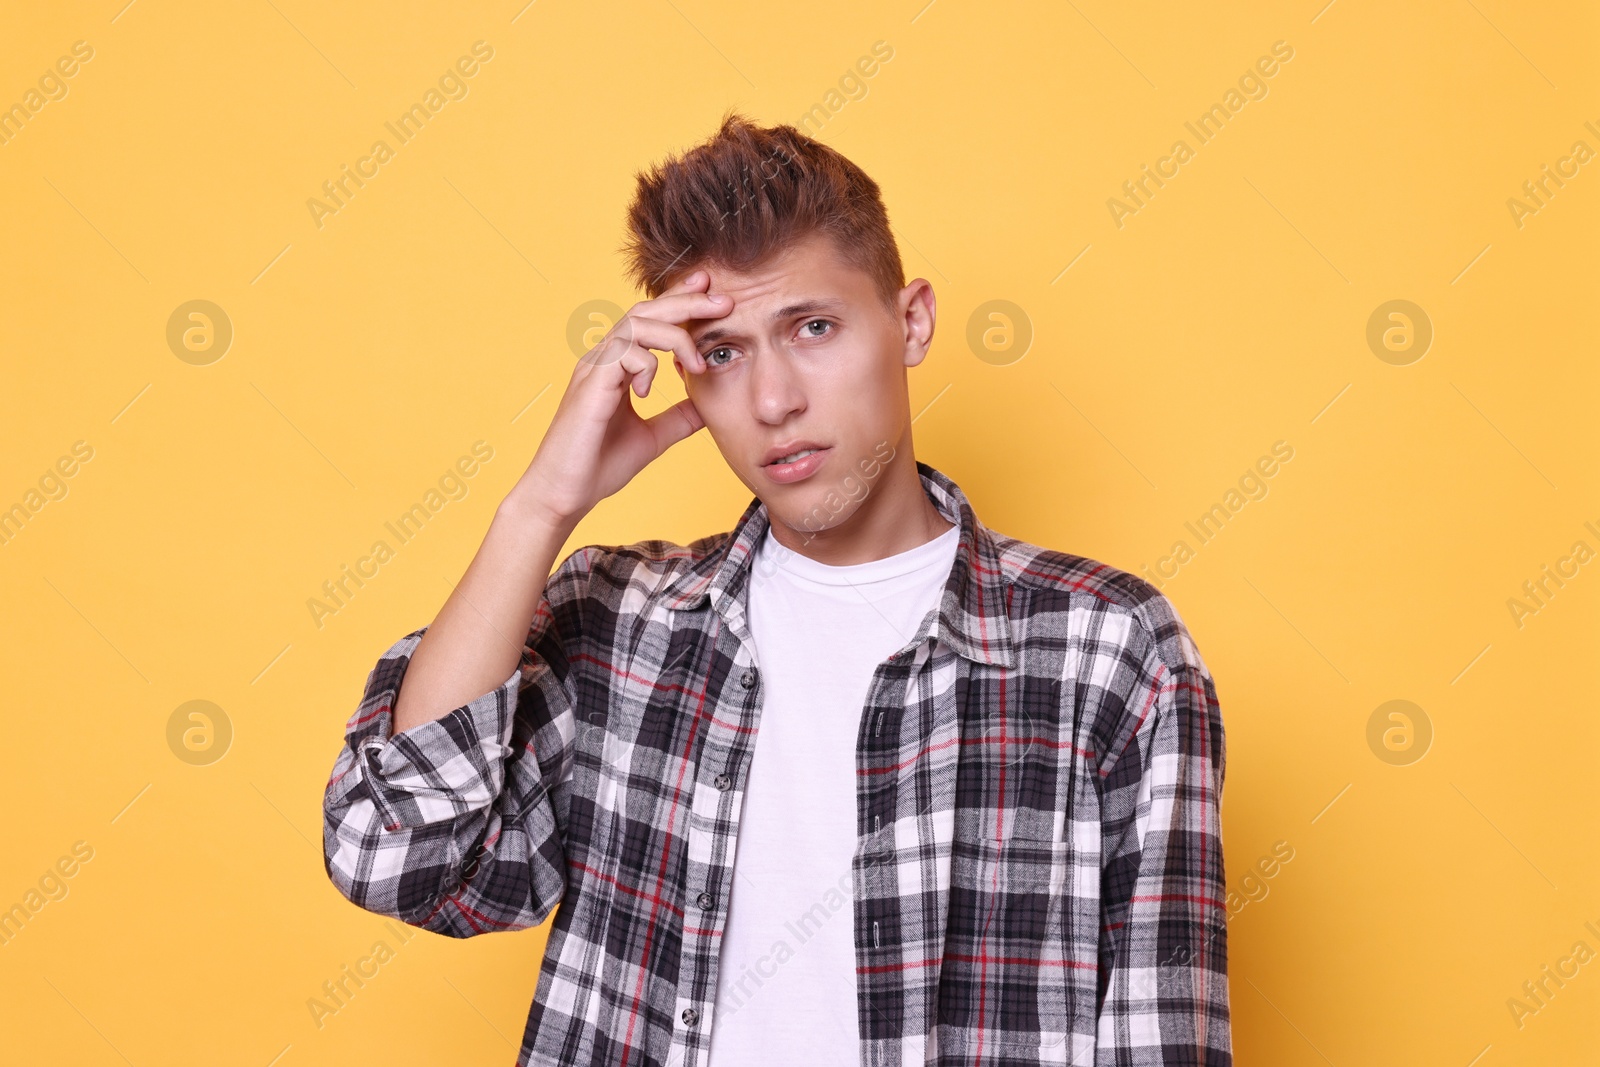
x: 777, y: 452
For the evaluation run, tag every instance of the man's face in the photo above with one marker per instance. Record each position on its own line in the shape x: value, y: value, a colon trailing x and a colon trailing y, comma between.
x: 809, y: 357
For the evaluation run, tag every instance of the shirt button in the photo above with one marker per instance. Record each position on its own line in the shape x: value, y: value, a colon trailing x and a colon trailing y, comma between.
x: 723, y: 781
x: 748, y: 678
x: 690, y: 1016
x: 705, y: 900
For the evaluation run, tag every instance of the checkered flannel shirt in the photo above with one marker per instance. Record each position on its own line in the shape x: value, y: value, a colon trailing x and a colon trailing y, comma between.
x: 1038, y: 872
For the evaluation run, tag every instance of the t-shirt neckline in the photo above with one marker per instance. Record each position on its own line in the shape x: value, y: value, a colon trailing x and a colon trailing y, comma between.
x: 876, y: 570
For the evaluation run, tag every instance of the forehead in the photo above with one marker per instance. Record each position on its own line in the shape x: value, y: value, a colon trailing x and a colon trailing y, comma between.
x: 814, y: 258
x: 811, y: 271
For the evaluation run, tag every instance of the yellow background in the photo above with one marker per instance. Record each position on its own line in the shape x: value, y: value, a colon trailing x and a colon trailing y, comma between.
x: 431, y: 311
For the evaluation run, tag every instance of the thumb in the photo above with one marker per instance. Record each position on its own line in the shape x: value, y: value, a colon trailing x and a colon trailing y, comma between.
x: 669, y: 427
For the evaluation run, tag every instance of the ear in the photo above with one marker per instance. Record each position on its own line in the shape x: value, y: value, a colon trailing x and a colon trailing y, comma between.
x: 917, y: 311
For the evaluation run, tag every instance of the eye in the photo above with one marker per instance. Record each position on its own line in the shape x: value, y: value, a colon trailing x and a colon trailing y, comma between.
x: 816, y: 322
x: 713, y: 363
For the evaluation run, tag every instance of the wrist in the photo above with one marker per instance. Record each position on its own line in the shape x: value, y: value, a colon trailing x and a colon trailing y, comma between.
x: 525, y: 508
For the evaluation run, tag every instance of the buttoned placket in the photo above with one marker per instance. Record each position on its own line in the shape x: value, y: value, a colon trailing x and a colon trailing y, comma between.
x: 881, y: 949
x: 724, y: 754
x: 878, y: 745
x: 720, y: 759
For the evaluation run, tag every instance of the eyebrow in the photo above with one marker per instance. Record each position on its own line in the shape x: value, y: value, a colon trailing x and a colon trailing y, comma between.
x: 788, y: 311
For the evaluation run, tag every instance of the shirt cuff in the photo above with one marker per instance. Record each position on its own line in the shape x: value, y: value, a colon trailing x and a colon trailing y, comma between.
x: 437, y: 770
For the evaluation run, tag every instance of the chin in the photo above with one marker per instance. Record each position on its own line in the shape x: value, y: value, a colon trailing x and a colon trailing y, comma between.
x: 818, y: 512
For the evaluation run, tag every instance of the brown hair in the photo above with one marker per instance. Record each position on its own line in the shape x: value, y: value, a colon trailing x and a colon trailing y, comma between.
x: 746, y: 194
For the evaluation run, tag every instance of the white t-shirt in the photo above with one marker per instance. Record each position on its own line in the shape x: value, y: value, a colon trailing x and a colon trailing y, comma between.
x: 786, y: 989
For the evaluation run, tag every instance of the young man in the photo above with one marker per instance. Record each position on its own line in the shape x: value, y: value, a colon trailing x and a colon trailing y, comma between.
x: 861, y: 781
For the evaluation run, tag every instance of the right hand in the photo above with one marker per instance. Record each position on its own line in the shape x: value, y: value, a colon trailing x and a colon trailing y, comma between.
x: 597, y: 442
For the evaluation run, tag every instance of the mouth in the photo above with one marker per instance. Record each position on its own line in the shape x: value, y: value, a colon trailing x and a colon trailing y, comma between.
x: 797, y: 464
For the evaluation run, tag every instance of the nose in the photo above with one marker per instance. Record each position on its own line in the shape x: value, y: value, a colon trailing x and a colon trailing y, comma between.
x: 776, y: 391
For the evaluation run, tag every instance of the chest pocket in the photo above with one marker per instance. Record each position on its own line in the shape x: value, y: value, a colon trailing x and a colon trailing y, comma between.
x: 1011, y: 982
x: 1009, y: 891
x: 1007, y: 970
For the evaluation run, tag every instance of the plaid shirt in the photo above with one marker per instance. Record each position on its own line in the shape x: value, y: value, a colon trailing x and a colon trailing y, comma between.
x: 1038, y: 868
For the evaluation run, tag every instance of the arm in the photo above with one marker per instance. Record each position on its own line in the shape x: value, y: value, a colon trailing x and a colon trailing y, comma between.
x: 1163, y: 941
x: 439, y: 812
x: 449, y: 825
x: 476, y: 638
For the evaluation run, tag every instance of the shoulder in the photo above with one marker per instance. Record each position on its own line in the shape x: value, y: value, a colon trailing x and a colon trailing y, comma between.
x: 1114, y: 602
x: 636, y: 572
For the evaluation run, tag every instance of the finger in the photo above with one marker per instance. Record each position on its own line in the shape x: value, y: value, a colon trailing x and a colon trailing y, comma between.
x: 695, y: 280
x: 682, y: 307
x: 667, y: 337
x: 674, y: 424
x: 622, y: 337
x: 639, y: 369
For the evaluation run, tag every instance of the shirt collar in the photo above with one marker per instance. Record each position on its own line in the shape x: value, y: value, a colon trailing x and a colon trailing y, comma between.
x: 971, y: 618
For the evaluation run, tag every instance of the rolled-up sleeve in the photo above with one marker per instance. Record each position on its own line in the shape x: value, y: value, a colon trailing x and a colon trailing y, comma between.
x: 1163, y: 944
x: 450, y: 825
